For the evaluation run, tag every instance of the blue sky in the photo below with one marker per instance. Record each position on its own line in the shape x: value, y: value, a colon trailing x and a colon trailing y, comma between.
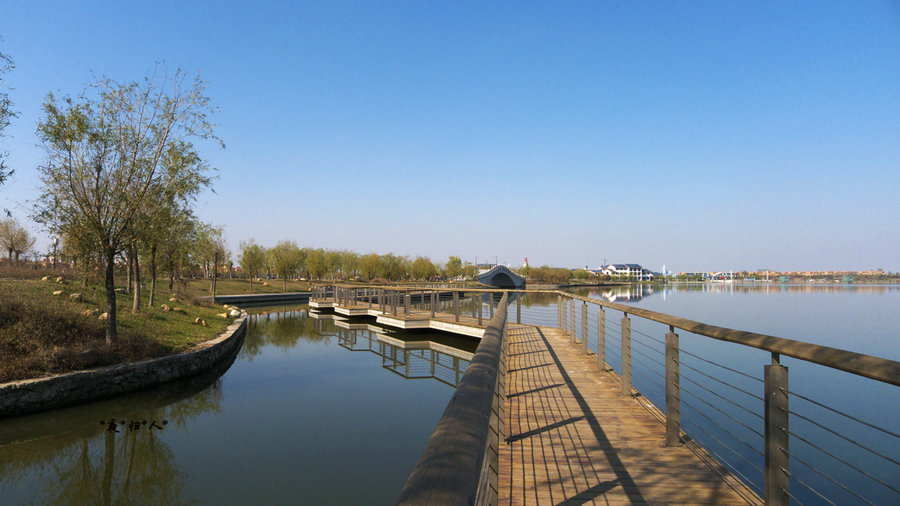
x: 700, y: 135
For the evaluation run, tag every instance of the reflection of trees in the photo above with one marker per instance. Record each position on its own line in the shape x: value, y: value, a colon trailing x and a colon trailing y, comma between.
x: 283, y: 329
x: 79, y: 462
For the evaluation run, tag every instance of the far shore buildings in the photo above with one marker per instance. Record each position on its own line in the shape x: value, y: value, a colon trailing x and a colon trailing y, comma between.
x: 627, y: 271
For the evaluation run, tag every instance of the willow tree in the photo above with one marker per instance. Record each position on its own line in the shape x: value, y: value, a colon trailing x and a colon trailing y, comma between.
x: 104, y: 153
x: 252, y: 258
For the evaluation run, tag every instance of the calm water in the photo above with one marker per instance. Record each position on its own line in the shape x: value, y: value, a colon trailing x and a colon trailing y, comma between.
x: 311, y: 412
x: 298, y: 418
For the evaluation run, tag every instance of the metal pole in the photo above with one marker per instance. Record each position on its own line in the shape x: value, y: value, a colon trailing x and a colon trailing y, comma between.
x: 518, y: 309
x: 601, y: 338
x: 456, y: 305
x: 572, y: 314
x: 777, y: 460
x: 491, y: 305
x: 407, y: 298
x: 480, y: 309
x: 584, y: 328
x: 673, y: 391
x: 626, y: 356
x: 433, y: 302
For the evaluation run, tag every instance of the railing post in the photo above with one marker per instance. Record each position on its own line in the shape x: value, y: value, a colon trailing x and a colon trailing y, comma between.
x: 559, y: 313
x: 406, y: 300
x: 480, y: 309
x: 369, y: 295
x: 601, y: 338
x: 433, y: 302
x: 490, y: 305
x: 456, y: 306
x: 394, y: 302
x: 572, y: 313
x: 519, y: 309
x: 777, y: 460
x: 673, y: 391
x: 584, y: 328
x: 626, y: 356
x: 381, y: 299
x: 474, y: 309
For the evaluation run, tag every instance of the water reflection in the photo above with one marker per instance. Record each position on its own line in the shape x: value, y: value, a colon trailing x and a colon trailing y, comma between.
x: 411, y: 359
x: 74, y: 456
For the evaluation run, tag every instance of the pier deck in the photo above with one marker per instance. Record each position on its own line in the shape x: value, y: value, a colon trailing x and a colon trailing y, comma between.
x: 572, y: 438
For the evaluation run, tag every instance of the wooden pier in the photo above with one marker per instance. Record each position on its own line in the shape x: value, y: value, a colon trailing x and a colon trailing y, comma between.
x: 569, y: 435
x: 572, y: 438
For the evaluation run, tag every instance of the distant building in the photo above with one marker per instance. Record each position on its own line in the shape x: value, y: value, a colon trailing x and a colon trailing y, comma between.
x: 632, y: 271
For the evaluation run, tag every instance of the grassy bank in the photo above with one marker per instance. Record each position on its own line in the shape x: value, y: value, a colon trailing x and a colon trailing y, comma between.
x: 42, y: 333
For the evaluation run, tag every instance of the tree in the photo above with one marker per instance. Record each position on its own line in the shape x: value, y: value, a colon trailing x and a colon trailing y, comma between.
x: 105, y: 150
x: 453, y: 267
x: 211, y: 251
x: 287, y: 260
x: 422, y: 268
x: 14, y: 239
x: 368, y: 266
x: 315, y: 263
x: 252, y: 258
x: 6, y: 112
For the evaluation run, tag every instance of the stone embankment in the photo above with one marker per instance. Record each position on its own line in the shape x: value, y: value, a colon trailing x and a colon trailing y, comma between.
x: 33, y: 395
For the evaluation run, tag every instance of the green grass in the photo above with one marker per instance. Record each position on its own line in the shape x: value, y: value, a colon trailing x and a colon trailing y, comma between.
x: 224, y: 286
x: 43, y: 334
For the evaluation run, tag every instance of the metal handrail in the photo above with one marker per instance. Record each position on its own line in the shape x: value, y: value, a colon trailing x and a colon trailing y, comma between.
x: 450, y: 469
x: 877, y: 368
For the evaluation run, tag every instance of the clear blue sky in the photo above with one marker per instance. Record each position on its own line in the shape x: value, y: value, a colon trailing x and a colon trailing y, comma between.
x: 700, y: 135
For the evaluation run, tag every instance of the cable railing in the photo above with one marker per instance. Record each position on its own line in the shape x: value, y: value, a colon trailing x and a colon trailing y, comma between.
x: 786, y: 446
x: 753, y: 424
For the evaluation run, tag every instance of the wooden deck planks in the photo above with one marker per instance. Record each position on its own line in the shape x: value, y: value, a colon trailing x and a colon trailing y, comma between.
x: 573, y: 439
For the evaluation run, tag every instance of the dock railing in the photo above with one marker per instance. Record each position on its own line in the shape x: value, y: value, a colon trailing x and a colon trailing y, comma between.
x: 745, y: 420
x: 459, y: 464
x: 784, y: 445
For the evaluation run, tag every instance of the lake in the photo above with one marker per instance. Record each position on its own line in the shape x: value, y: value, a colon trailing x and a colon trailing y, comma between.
x: 314, y: 411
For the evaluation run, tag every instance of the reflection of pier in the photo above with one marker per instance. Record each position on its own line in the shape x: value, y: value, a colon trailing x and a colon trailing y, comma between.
x: 410, y: 359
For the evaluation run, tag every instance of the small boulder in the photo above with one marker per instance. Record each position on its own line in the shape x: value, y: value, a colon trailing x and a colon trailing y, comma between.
x: 222, y: 315
x: 173, y: 299
x: 103, y: 316
x: 87, y: 312
x: 234, y: 313
x: 200, y: 321
x: 45, y: 278
x: 59, y: 279
x: 179, y: 310
x: 76, y: 297
x: 265, y: 283
x: 58, y: 292
x: 165, y: 308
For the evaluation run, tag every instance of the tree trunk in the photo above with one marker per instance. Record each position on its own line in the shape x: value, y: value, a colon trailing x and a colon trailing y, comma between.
x: 171, y: 280
x: 136, y: 305
x: 130, y: 263
x: 111, y: 337
x: 152, y: 275
x: 214, y: 275
x: 251, y: 283
x: 284, y: 283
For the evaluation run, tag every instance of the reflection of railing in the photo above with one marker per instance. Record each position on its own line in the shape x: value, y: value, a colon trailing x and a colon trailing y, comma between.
x: 459, y: 464
x: 414, y: 360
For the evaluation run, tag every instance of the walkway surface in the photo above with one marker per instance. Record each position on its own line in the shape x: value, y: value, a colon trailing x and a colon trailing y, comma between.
x: 574, y: 439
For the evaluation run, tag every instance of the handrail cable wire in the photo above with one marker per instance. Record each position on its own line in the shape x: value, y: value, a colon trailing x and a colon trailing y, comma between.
x: 829, y: 478
x: 841, y: 413
x: 845, y: 438
x: 720, y: 365
x: 757, y: 397
x: 864, y: 473
x: 751, y: 429
x: 725, y: 398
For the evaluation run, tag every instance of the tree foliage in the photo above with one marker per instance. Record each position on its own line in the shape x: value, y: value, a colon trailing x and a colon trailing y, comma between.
x: 14, y: 239
x: 6, y: 112
x: 111, y: 155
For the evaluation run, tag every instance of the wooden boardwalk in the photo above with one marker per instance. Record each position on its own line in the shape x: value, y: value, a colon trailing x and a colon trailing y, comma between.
x: 572, y: 438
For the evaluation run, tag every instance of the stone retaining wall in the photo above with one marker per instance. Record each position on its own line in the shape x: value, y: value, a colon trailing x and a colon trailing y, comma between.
x: 30, y: 396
